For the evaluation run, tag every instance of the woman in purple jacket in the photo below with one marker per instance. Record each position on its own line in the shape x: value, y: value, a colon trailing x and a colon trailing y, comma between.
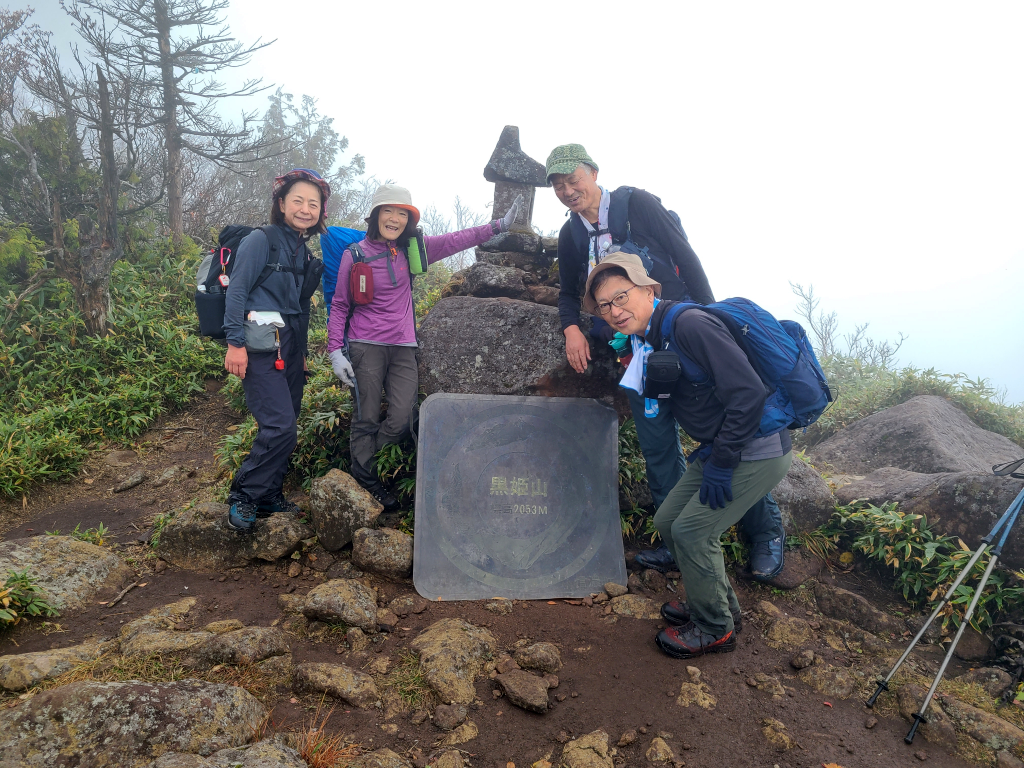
x: 373, y: 346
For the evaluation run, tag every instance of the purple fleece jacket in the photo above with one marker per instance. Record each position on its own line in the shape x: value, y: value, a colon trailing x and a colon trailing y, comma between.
x: 389, y: 319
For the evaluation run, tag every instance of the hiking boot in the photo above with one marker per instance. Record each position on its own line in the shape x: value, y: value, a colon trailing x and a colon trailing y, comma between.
x: 273, y: 505
x: 383, y: 495
x: 659, y: 559
x: 767, y: 558
x: 242, y: 517
x: 677, y: 613
x: 689, y: 641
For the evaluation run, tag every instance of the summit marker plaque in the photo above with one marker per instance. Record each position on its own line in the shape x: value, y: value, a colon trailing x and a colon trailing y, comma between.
x: 516, y: 497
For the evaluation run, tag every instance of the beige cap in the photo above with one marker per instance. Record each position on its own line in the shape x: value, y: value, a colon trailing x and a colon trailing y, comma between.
x: 634, y: 269
x: 394, y: 195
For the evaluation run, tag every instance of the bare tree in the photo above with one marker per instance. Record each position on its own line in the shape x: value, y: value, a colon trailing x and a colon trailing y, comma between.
x: 177, y: 46
x: 824, y: 327
x: 434, y: 223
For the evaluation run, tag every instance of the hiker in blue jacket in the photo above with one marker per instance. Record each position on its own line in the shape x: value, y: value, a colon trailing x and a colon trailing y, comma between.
x: 723, y: 412
x: 266, y: 319
x: 583, y: 242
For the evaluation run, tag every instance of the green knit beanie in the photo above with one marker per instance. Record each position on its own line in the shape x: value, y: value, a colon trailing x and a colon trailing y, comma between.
x: 566, y: 159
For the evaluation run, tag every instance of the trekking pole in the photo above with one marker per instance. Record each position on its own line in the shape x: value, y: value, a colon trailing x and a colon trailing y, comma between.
x: 883, y: 685
x: 919, y: 716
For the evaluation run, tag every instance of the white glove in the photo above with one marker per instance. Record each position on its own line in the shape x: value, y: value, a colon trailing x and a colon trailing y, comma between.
x: 506, y: 221
x: 343, y: 368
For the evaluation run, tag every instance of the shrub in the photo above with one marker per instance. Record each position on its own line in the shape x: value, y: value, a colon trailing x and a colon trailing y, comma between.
x: 63, y: 392
x: 20, y: 598
x: 924, y: 564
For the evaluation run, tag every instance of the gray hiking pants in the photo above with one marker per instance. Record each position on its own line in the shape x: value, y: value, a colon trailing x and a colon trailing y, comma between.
x: 693, y: 532
x: 391, y: 370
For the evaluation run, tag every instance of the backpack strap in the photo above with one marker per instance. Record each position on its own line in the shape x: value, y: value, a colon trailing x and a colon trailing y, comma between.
x: 618, y: 214
x: 691, y: 370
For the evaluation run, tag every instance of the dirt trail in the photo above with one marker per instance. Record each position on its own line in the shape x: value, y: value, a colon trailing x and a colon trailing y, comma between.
x: 613, y: 677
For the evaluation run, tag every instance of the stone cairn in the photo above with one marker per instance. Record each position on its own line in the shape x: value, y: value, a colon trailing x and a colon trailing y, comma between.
x: 519, y: 264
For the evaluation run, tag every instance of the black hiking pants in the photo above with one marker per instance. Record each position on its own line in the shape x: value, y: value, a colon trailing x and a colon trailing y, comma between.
x: 274, y: 398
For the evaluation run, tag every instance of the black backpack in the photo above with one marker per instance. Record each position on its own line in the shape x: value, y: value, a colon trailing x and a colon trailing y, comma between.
x: 657, y: 264
x: 214, y: 275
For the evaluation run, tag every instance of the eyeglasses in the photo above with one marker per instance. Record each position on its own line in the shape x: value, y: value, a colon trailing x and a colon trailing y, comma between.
x: 619, y: 300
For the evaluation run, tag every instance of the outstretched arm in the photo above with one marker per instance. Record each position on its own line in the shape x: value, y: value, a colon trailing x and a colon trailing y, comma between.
x: 442, y: 246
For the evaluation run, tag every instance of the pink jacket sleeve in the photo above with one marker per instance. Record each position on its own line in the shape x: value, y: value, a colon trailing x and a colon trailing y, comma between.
x: 340, y: 305
x: 442, y: 246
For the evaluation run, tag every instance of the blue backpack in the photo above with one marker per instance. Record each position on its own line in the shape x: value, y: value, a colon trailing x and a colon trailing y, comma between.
x: 778, y: 350
x: 333, y: 245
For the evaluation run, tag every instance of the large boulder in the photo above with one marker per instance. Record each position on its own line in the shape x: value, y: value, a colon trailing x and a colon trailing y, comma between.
x: 961, y: 504
x: 69, y: 572
x: 126, y: 724
x: 385, y: 551
x: 199, y: 539
x: 340, y: 507
x: 452, y: 653
x: 804, y: 498
x: 843, y: 604
x: 487, y: 281
x: 925, y: 434
x: 506, y: 347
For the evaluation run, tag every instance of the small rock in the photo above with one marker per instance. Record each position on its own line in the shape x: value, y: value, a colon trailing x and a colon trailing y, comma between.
x: 803, y: 659
x: 766, y: 683
x: 560, y: 698
x: 921, y: 755
x: 636, y: 606
x: 601, y: 597
x: 660, y: 752
x: 775, y: 732
x: 294, y: 569
x: 357, y: 640
x: 166, y: 476
x: 871, y: 722
x: 452, y: 653
x: 385, y: 551
x: 696, y: 694
x: 465, y: 732
x: 590, y: 751
x: 543, y: 657
x: 615, y: 590
x: 121, y: 458
x: 694, y: 674
x: 1005, y: 759
x: 449, y: 716
x: 634, y: 583
x: 563, y: 737
x: 496, y: 693
x: 386, y: 620
x: 450, y: 758
x: 830, y: 680
x: 419, y: 717
x: 343, y: 601
x: 159, y: 566
x: 525, y: 690
x: 506, y: 665
x: 353, y: 686
x: 339, y: 507
x: 627, y: 738
x: 653, y: 580
x: 501, y: 607
x: 138, y: 477
x: 551, y: 680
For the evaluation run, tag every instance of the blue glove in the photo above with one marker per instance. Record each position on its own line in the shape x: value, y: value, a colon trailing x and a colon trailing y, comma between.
x: 621, y: 344
x: 716, y: 487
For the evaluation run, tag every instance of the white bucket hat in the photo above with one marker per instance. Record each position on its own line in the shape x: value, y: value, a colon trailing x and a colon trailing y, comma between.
x: 394, y: 195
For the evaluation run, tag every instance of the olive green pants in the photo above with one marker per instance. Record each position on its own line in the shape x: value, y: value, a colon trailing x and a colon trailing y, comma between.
x: 693, y: 531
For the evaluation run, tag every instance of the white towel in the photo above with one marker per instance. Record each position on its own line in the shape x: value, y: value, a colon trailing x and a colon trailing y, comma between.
x: 266, y: 318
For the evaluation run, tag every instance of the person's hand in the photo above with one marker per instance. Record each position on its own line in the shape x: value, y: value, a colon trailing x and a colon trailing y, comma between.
x: 716, y: 486
x: 510, y: 217
x: 236, y: 360
x: 343, y: 368
x: 577, y: 348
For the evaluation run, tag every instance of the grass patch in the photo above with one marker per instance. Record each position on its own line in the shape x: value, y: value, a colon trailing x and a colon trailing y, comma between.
x: 405, y: 681
x: 319, y: 748
x: 114, y: 667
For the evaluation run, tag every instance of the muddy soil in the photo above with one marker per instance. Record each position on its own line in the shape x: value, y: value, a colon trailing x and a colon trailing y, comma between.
x: 613, y: 677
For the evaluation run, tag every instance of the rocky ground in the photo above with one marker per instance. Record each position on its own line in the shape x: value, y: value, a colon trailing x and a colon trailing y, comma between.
x: 215, y: 647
